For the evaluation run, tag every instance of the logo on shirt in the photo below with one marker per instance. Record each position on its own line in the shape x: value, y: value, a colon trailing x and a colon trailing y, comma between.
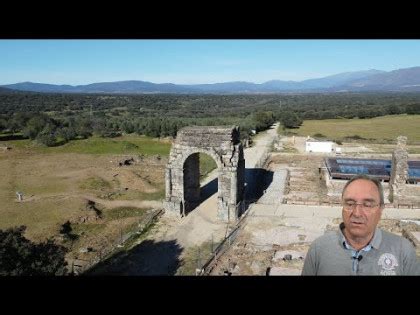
x: 388, y: 262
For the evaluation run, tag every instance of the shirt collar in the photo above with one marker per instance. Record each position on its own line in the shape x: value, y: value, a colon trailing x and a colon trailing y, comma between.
x: 375, y: 242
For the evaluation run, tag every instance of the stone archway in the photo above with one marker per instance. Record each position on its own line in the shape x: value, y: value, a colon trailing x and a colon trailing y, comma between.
x: 182, y: 175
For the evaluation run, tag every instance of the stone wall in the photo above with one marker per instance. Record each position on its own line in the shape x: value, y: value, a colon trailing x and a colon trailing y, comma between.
x: 399, y: 172
x: 335, y: 188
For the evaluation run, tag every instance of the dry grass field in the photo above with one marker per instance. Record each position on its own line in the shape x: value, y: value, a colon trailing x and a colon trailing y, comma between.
x: 58, y: 182
x: 386, y: 128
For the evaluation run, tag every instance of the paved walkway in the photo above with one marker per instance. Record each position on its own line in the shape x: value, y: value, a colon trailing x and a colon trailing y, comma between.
x: 274, y: 193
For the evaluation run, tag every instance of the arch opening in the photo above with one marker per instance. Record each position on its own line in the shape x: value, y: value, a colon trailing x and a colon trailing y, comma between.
x: 197, y: 185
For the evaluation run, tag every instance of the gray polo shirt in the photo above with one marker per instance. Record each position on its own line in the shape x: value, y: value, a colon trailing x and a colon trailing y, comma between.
x: 386, y: 254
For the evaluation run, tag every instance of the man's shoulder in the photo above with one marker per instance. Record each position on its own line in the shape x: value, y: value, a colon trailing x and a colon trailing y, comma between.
x: 394, y: 239
x: 391, y: 237
x: 326, y: 238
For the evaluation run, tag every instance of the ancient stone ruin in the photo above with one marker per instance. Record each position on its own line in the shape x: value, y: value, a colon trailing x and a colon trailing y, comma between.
x: 183, y: 175
x: 399, y: 172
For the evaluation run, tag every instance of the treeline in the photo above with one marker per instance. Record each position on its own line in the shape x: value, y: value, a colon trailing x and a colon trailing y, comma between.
x: 52, y: 131
x: 53, y: 119
x: 309, y: 106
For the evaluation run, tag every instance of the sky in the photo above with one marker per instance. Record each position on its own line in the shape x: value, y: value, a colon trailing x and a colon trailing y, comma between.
x: 78, y: 62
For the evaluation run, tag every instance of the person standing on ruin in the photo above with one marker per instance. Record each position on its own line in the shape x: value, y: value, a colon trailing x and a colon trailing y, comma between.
x: 359, y: 247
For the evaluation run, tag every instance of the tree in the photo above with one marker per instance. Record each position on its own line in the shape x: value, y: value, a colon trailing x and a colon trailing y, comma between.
x: 263, y: 120
x: 83, y: 128
x: 290, y: 120
x: 34, y: 126
x: 127, y: 126
x: 363, y: 113
x: 13, y: 125
x: 21, y: 257
x: 153, y: 128
x: 393, y: 109
x: 99, y: 127
x: 3, y: 124
x: 413, y: 109
x: 47, y: 136
x: 67, y: 133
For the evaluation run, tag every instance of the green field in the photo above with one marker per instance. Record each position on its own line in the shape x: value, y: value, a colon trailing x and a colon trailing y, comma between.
x: 386, y: 128
x: 125, y: 212
x: 207, y: 164
x: 127, y: 144
x: 139, y: 195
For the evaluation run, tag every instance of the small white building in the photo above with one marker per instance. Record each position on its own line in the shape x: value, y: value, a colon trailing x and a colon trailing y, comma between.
x: 318, y: 146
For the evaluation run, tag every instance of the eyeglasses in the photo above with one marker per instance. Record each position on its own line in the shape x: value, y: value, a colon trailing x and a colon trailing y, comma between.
x: 366, y: 205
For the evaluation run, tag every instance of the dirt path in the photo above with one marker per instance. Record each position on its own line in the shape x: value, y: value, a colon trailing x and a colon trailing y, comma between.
x: 261, y: 143
x: 125, y: 203
x: 106, y: 203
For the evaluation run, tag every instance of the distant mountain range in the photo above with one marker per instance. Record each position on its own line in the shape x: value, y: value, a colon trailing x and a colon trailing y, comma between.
x: 370, y: 80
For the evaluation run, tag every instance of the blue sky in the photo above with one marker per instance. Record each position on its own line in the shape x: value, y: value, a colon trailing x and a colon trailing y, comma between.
x: 196, y: 61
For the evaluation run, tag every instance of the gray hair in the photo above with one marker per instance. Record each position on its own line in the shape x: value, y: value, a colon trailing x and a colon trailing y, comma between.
x: 371, y: 179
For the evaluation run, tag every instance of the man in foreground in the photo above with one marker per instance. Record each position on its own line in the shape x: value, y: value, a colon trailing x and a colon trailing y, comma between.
x: 359, y: 247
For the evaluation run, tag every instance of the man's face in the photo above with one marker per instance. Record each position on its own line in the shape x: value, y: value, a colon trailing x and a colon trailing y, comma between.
x: 360, y: 223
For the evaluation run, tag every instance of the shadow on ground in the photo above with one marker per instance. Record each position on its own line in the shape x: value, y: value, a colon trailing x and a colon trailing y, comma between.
x: 11, y: 137
x: 257, y: 181
x: 208, y: 190
x: 148, y: 258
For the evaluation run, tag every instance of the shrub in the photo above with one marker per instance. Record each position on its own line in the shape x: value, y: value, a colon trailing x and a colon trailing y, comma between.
x: 21, y: 257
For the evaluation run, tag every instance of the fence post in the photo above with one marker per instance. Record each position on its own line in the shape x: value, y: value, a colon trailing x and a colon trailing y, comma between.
x: 212, y: 246
x: 199, y: 259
